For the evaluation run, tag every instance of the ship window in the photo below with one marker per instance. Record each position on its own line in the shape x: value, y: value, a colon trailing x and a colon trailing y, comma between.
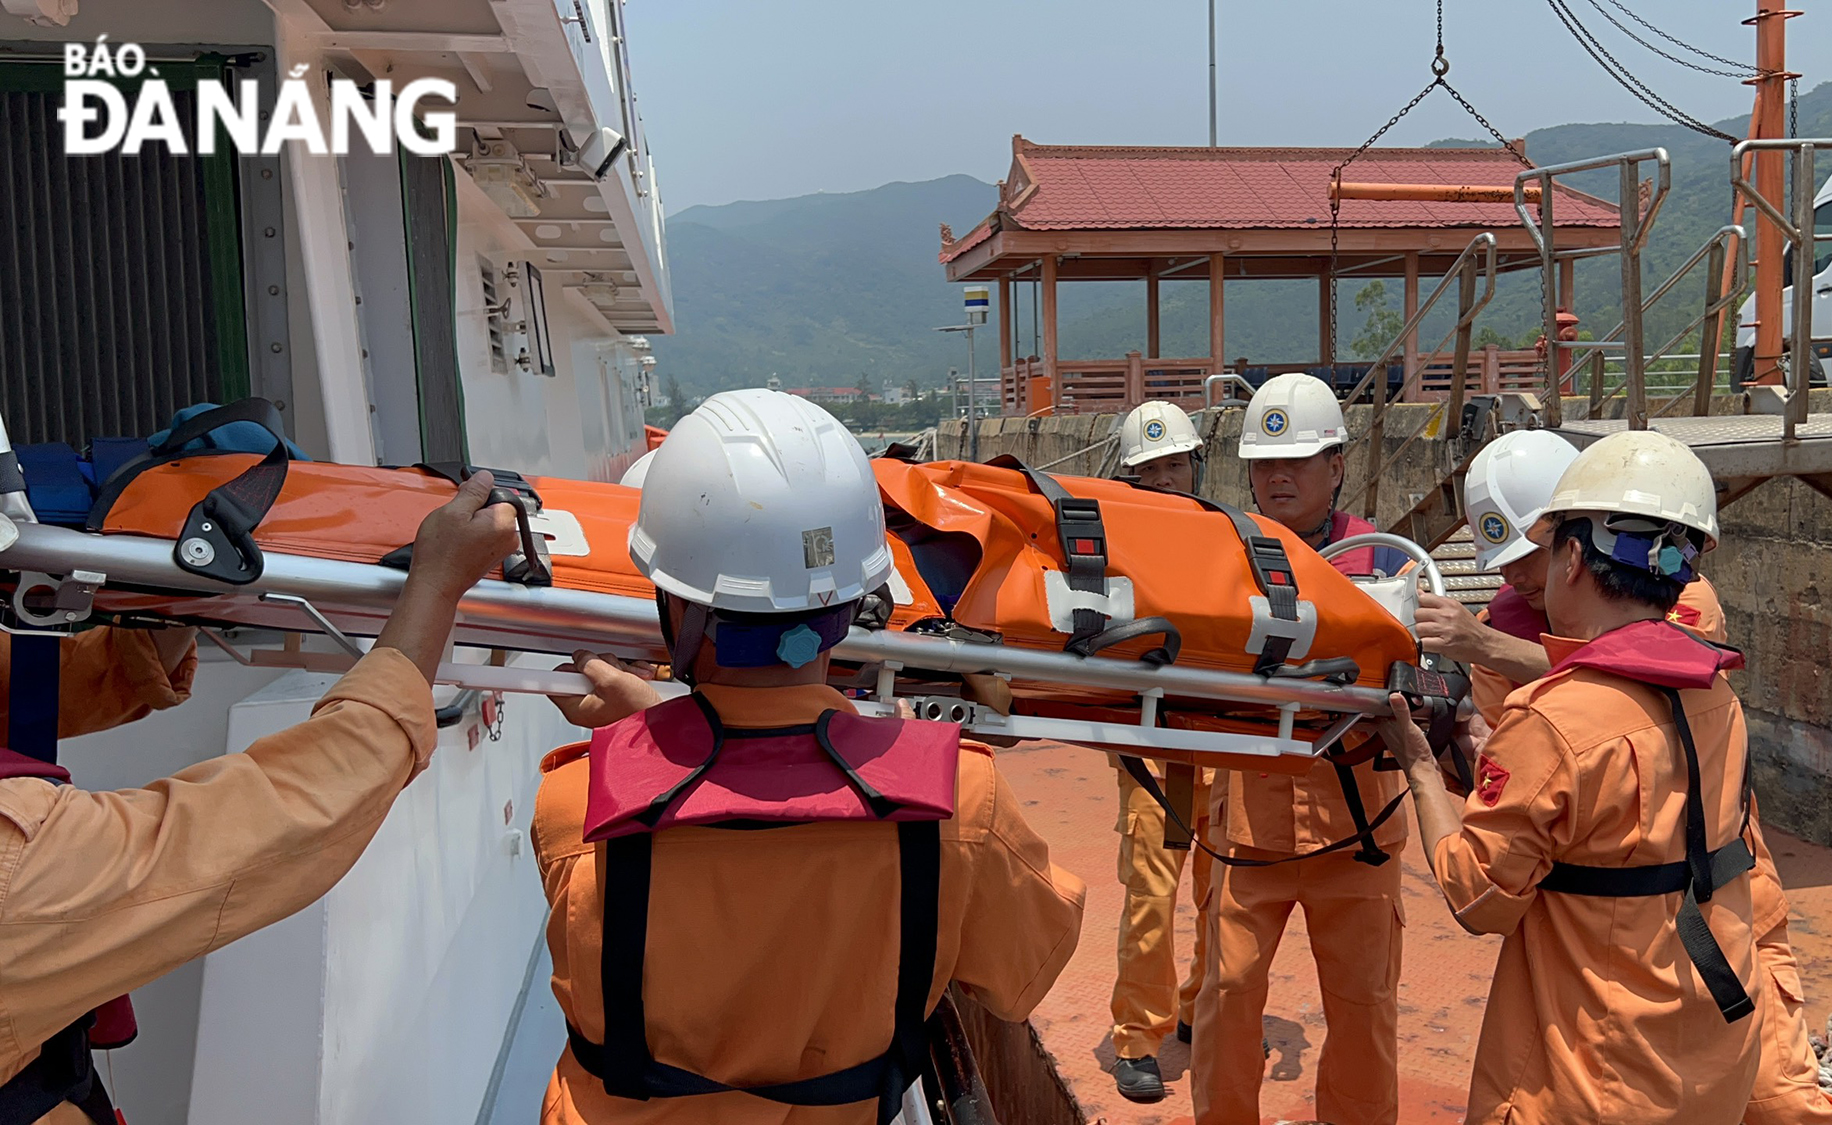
x: 121, y: 288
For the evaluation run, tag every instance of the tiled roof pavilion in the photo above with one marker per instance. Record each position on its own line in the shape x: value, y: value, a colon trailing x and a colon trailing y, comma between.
x: 1116, y: 213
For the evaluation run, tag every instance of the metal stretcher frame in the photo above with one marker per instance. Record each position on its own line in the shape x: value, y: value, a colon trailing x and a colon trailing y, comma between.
x: 65, y: 576
x: 136, y: 576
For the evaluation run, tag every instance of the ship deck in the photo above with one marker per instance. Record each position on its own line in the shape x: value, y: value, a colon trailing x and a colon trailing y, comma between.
x: 1070, y: 796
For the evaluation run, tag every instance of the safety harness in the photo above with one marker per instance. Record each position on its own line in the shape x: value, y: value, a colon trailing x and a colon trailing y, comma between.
x: 1669, y: 658
x: 676, y: 764
x: 64, y: 1070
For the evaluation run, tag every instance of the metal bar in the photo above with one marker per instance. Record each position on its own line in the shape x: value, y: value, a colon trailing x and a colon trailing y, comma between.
x: 1429, y: 193
x: 1633, y: 236
x: 1459, y: 360
x: 1800, y: 346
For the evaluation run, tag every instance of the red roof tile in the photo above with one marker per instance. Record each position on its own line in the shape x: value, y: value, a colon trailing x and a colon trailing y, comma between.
x: 1073, y: 187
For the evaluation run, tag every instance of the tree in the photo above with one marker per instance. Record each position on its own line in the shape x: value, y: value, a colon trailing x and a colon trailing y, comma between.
x: 911, y: 391
x: 864, y: 387
x: 677, y: 399
x: 1488, y: 335
x: 1382, y: 325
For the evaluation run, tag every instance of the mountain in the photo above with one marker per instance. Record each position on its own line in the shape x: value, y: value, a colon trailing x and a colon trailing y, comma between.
x: 823, y: 289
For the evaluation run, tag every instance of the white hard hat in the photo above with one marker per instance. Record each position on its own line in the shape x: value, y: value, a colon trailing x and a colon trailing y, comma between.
x: 638, y: 470
x: 762, y: 503
x: 1153, y: 430
x: 1507, y: 487
x: 1292, y: 416
x: 1639, y: 480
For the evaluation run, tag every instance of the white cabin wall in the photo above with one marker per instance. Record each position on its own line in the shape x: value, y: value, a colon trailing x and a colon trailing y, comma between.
x: 389, y: 999
x: 520, y: 419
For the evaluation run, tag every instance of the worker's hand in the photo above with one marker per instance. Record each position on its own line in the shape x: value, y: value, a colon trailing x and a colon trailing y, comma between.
x: 987, y: 690
x: 620, y: 688
x: 1444, y: 626
x: 462, y: 541
x: 1403, y: 736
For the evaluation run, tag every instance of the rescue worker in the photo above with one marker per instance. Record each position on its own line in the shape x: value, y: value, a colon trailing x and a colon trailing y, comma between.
x: 1606, y: 835
x: 104, y: 892
x: 781, y: 974
x: 1292, y: 437
x: 1508, y: 486
x: 1158, y: 447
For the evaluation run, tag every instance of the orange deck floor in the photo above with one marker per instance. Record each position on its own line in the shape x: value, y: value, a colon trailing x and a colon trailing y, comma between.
x: 1071, y: 797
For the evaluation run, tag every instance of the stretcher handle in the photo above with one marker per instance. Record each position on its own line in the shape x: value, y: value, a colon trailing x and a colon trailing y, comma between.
x: 532, y: 567
x: 1433, y: 576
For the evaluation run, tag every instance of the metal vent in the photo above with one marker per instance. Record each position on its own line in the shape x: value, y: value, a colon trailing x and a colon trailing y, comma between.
x: 120, y: 276
x: 499, y: 359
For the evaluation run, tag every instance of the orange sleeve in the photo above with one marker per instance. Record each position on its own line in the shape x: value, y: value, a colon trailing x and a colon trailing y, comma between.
x: 1023, y: 914
x: 102, y: 892
x: 107, y: 677
x: 1515, y: 823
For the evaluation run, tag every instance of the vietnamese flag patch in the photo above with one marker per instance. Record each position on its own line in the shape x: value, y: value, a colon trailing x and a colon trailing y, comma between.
x: 1685, y: 615
x: 1491, y: 779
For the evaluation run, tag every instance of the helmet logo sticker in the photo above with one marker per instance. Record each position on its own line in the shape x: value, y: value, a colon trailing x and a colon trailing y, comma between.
x: 1274, y: 423
x: 1154, y: 430
x: 1494, y: 528
x: 817, y: 548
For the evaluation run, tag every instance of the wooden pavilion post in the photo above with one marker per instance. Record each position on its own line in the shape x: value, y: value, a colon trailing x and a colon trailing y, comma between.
x: 1006, y: 356
x: 1567, y: 285
x: 1412, y: 308
x: 1217, y: 321
x: 1151, y: 309
x: 1049, y: 331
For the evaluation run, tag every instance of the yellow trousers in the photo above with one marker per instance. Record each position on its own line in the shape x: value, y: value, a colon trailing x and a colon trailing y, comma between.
x: 1787, y: 1081
x: 1147, y: 1001
x: 1353, y: 915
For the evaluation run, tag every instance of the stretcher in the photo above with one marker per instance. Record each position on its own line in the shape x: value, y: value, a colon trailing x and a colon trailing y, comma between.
x: 1152, y: 623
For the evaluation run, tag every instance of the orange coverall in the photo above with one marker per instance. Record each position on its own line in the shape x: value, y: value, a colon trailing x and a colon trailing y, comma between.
x: 1147, y: 1002
x: 1787, y: 1088
x: 101, y: 893
x: 773, y: 955
x: 1356, y: 924
x: 1596, y: 1013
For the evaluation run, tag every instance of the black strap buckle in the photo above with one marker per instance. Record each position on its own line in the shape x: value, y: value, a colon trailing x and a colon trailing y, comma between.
x: 1079, y: 524
x: 1271, y: 564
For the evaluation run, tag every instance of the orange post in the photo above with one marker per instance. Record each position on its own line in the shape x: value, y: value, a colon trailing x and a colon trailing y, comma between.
x: 1770, y: 121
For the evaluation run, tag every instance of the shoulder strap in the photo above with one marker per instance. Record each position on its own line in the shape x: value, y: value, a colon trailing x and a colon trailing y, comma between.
x: 32, y: 695
x: 1700, y: 874
x: 623, y: 1061
x: 62, y: 1072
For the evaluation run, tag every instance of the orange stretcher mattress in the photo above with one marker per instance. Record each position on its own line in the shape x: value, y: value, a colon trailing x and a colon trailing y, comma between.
x: 977, y: 550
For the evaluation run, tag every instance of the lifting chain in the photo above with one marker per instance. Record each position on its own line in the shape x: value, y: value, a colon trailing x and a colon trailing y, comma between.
x: 1440, y: 68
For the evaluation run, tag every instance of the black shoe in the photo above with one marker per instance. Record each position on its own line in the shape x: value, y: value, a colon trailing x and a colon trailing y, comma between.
x: 1184, y: 1032
x: 1139, y: 1080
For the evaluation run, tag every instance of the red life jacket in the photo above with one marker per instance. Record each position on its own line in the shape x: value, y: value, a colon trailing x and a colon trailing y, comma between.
x: 675, y: 765
x: 1671, y: 659
x: 64, y: 1070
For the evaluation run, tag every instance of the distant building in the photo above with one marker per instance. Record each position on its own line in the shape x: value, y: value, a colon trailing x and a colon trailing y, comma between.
x: 830, y: 394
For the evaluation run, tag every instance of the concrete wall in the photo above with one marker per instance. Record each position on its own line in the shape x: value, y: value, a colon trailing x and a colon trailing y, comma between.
x: 1773, y: 571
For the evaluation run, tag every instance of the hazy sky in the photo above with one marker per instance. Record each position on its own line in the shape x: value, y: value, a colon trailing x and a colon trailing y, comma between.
x: 759, y: 100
